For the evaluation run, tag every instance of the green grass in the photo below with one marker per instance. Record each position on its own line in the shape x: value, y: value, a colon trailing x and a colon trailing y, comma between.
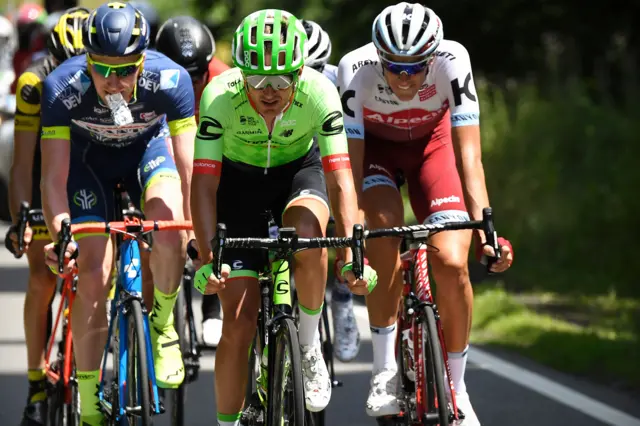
x: 596, y: 338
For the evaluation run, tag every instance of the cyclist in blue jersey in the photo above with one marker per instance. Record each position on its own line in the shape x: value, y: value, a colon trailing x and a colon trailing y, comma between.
x: 107, y: 117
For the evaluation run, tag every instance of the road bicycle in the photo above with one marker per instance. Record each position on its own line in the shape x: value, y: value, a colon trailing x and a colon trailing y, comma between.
x: 176, y: 399
x: 427, y: 397
x: 129, y: 395
x: 63, y: 399
x: 275, y: 392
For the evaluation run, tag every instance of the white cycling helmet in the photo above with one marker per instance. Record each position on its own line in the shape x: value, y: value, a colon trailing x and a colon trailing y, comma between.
x: 407, y: 29
x: 8, y: 35
x: 319, y: 45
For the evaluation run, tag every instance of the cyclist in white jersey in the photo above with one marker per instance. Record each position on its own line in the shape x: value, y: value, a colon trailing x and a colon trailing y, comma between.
x: 319, y: 50
x: 345, y: 329
x: 410, y: 95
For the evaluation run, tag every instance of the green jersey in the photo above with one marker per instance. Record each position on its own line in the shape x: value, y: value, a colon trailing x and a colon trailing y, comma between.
x: 230, y: 127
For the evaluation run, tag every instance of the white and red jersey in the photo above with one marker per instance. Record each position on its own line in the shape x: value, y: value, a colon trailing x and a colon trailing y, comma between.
x: 370, y: 105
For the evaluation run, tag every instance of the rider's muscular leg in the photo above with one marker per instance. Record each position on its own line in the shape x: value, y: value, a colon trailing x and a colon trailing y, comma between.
x: 89, y: 321
x: 240, y: 302
x: 163, y: 201
x: 454, y: 296
x: 383, y: 208
x: 310, y: 218
x: 88, y: 318
x: 41, y: 287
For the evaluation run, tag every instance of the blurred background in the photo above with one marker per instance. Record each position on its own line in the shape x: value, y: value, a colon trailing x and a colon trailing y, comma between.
x: 558, y: 85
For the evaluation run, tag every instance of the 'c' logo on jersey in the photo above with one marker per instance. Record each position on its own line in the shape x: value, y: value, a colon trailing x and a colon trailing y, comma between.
x: 332, y: 124
x: 205, y: 131
x: 345, y: 102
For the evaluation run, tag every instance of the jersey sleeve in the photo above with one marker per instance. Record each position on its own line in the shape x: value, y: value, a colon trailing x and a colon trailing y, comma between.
x: 28, y: 97
x: 329, y: 129
x: 55, y: 117
x: 455, y: 78
x: 351, y: 98
x: 215, y: 108
x: 180, y: 100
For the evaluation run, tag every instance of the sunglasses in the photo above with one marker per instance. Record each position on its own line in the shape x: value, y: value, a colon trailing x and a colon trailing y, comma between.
x: 278, y: 82
x: 406, y: 68
x: 120, y: 70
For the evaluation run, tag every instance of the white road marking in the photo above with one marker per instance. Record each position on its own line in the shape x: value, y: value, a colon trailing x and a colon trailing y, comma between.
x: 537, y: 383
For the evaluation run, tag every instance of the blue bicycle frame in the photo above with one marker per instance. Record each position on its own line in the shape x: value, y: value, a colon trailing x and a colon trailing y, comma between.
x: 128, y: 286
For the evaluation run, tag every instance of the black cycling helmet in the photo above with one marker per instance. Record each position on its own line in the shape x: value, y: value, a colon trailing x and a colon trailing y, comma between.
x: 65, y: 39
x: 188, y: 42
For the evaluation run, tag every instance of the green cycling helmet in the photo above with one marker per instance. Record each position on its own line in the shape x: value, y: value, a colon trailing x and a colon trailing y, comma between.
x: 272, y: 30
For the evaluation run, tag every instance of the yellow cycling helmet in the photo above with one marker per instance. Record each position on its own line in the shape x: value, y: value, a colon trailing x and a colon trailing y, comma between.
x: 65, y: 40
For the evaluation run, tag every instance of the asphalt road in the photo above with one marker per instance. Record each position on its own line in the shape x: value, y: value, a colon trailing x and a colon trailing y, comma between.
x: 505, y: 389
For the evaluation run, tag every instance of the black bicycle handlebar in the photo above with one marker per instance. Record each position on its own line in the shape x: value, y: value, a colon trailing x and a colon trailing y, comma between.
x: 287, y: 239
x: 64, y: 238
x: 25, y: 217
x: 422, y: 232
x: 23, y: 221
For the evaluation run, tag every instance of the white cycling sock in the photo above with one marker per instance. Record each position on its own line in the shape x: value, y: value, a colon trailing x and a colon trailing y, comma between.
x: 383, y: 340
x: 457, y: 365
x: 229, y: 419
x: 308, y: 327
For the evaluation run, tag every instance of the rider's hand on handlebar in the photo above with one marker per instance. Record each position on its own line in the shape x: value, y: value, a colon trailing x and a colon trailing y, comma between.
x: 361, y: 287
x: 51, y: 257
x: 506, y: 256
x: 12, y: 235
x: 207, y: 283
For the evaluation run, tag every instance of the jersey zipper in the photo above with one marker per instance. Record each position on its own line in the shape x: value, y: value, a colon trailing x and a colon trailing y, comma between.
x: 268, y: 153
x: 275, y: 122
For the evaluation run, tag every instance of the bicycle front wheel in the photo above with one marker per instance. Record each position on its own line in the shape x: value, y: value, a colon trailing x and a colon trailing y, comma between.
x: 138, y: 383
x: 286, y: 392
x: 434, y: 395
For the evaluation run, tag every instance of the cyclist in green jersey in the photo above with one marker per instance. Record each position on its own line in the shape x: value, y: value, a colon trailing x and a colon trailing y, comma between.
x: 255, y: 151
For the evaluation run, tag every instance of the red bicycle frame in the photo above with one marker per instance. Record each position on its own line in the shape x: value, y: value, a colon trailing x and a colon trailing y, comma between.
x: 62, y: 372
x: 416, y: 260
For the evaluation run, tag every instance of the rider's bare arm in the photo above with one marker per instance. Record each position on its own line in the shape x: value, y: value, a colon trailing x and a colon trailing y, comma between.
x: 345, y: 207
x: 183, y: 149
x: 466, y: 142
x: 455, y: 78
x: 20, y: 181
x: 207, y: 167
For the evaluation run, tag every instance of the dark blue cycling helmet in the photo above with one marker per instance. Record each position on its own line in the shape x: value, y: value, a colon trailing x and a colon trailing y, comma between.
x: 116, y: 29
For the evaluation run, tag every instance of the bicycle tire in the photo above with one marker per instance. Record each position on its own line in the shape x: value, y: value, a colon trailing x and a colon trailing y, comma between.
x: 251, y: 372
x: 433, y: 364
x: 138, y: 383
x: 285, y: 340
x: 61, y: 413
x: 178, y: 396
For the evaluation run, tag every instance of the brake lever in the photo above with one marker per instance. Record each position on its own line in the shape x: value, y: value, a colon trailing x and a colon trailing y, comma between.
x: 218, y: 244
x: 23, y: 218
x: 357, y: 250
x: 491, y: 238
